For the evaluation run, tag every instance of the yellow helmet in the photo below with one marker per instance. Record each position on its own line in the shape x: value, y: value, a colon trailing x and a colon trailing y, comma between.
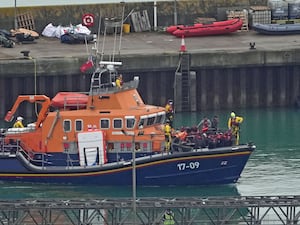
x: 232, y: 114
x: 20, y: 118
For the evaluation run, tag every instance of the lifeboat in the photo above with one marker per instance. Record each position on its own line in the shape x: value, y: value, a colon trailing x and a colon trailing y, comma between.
x: 173, y: 28
x: 277, y: 29
x: 215, y: 28
x: 69, y: 100
x: 105, y: 136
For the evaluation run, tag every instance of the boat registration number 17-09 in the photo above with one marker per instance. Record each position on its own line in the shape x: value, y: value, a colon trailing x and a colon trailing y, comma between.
x: 190, y: 166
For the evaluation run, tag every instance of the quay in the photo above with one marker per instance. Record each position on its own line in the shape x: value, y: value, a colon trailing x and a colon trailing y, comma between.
x: 242, y: 210
x: 162, y: 49
x: 229, y: 73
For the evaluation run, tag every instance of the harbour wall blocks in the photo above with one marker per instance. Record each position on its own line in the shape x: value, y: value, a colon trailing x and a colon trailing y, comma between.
x: 224, y: 80
x: 152, y: 62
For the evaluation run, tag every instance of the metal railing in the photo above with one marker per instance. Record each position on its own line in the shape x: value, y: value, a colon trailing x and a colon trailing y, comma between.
x: 240, y: 210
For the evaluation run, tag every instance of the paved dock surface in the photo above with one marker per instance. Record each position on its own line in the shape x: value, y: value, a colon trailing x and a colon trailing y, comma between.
x: 148, y: 43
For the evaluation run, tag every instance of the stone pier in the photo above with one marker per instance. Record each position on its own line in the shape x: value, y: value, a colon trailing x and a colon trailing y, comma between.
x: 227, y: 73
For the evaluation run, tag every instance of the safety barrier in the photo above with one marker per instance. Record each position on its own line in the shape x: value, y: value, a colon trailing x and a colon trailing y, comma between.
x: 212, y: 210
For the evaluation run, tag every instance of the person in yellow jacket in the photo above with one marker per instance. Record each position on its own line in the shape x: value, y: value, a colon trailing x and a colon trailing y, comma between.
x: 234, y: 123
x: 19, y: 123
x: 119, y: 81
x: 169, y: 111
x: 168, y: 218
x: 168, y: 136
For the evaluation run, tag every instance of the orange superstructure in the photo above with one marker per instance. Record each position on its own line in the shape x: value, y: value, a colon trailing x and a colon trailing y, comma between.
x: 107, y: 108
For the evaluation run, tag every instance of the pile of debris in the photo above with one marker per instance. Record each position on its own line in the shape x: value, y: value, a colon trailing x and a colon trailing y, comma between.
x: 5, y: 39
x: 21, y: 35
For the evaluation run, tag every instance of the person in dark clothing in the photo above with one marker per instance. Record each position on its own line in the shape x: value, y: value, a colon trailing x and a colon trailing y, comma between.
x: 215, y: 123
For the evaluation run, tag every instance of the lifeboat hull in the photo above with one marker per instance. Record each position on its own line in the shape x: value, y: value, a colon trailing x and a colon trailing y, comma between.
x: 200, y: 167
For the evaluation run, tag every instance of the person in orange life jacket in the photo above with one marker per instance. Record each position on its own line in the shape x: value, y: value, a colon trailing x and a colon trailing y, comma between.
x: 119, y: 81
x: 181, y: 135
x: 19, y: 123
x: 204, y: 124
x: 169, y: 111
x: 168, y: 136
x: 234, y: 123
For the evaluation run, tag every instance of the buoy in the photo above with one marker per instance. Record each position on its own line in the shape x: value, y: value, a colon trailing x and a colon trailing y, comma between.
x: 88, y: 20
x: 182, y: 47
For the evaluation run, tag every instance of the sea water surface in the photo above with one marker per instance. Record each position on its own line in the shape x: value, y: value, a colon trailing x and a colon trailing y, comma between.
x: 273, y: 169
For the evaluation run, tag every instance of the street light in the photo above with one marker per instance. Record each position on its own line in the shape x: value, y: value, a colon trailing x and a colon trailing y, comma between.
x: 133, y: 172
x: 15, y: 19
x: 175, y: 12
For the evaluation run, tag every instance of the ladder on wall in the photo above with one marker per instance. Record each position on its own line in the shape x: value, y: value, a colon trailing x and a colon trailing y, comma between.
x: 183, y: 83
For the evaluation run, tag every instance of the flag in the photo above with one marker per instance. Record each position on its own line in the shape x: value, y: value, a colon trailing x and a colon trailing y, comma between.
x: 87, y: 65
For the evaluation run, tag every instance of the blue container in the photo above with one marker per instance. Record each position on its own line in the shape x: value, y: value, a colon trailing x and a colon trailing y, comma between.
x: 279, y: 9
x: 294, y: 9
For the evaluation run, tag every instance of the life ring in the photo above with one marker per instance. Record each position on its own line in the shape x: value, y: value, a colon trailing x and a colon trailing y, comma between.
x: 88, y: 20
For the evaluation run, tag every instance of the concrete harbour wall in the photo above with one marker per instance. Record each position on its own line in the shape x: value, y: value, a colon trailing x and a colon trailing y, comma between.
x: 223, y: 81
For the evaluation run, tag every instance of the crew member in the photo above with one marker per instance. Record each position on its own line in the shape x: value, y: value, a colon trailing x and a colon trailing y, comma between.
x: 168, y: 218
x: 119, y: 81
x: 168, y: 136
x: 19, y: 123
x: 169, y: 111
x: 234, y: 123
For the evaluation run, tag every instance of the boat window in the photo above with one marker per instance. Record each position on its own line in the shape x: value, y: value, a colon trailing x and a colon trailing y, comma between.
x: 117, y: 123
x: 150, y: 121
x: 78, y: 125
x: 67, y: 125
x: 110, y: 146
x: 104, y: 123
x: 130, y: 122
x: 160, y: 118
x: 141, y: 123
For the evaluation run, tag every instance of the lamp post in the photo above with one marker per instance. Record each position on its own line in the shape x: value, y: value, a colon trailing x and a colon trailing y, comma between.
x: 133, y: 175
x: 175, y: 12
x: 15, y: 19
x: 133, y: 180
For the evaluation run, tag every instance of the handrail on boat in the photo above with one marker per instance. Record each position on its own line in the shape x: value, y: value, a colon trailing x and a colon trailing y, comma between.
x: 111, y: 88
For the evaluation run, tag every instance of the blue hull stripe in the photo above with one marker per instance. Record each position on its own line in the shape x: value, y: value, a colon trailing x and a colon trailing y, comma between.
x: 115, y: 171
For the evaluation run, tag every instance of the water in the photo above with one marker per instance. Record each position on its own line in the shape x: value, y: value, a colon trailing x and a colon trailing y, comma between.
x: 273, y: 169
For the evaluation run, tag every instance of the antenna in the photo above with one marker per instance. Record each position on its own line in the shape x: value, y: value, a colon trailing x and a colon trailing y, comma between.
x: 122, y: 22
x: 104, y: 37
x: 98, y: 33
